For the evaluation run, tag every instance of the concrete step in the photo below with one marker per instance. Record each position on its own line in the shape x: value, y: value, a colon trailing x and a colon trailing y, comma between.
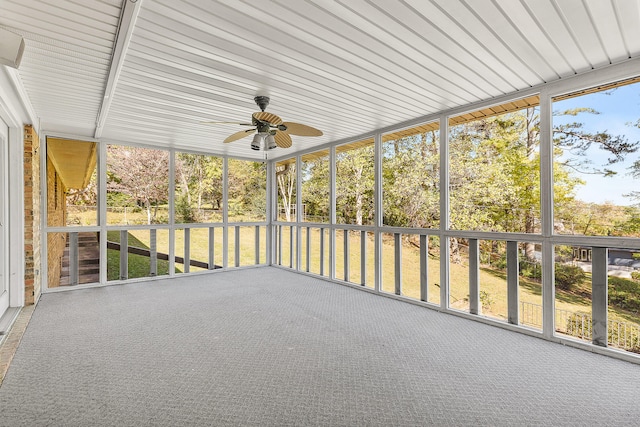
x: 64, y: 271
x: 82, y: 262
x: 88, y: 278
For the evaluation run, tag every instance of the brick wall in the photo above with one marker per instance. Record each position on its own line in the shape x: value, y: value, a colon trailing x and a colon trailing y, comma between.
x: 56, y: 217
x: 32, y: 276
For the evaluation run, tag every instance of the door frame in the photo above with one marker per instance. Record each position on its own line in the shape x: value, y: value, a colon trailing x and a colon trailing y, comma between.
x: 5, y: 289
x: 14, y: 112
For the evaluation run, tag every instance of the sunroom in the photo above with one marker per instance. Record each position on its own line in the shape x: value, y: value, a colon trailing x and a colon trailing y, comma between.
x: 478, y: 159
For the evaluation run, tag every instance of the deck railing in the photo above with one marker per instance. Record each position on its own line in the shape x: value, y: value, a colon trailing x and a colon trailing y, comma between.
x: 411, y: 265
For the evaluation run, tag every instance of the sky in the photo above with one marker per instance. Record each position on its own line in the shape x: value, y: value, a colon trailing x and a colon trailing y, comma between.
x: 618, y: 109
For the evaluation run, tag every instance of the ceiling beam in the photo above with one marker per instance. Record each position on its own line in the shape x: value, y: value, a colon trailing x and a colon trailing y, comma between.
x: 130, y: 10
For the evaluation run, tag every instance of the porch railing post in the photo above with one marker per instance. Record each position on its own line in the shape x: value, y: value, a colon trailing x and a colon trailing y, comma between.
x: 73, y: 258
x: 187, y: 250
x: 513, y: 290
x: 599, y: 281
x: 424, y: 250
x: 124, y: 254
x: 346, y: 245
x: 153, y: 252
x: 397, y: 245
x: 212, y: 257
x: 363, y: 257
x: 474, y: 277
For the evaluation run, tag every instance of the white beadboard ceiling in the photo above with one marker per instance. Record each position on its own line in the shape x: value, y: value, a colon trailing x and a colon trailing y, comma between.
x: 346, y: 67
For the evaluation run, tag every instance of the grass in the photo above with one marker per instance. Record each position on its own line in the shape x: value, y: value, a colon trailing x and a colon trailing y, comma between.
x: 139, y: 266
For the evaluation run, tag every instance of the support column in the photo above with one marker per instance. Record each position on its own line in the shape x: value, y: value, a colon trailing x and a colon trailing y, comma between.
x: 378, y: 217
x: 444, y: 211
x: 546, y: 207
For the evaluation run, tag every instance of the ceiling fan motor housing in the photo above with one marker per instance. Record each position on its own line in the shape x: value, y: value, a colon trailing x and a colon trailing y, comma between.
x: 262, y: 101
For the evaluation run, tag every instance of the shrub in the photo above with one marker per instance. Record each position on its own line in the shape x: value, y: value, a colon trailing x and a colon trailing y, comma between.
x: 184, y: 212
x: 624, y: 294
x: 530, y: 269
x: 635, y: 275
x: 486, y: 300
x: 567, y: 276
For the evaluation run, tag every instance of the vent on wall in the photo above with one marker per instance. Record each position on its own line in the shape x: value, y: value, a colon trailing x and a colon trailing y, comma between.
x: 11, y: 48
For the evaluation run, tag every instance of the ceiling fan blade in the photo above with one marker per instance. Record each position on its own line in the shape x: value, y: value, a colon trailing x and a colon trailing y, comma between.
x: 282, y: 140
x: 302, y: 130
x: 267, y: 117
x: 239, y: 135
x: 227, y: 123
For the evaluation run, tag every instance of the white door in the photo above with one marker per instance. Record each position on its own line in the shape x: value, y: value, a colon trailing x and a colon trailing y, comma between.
x: 4, y: 255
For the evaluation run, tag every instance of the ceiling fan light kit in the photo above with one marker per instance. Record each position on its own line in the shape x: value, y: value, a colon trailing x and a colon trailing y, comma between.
x: 270, y: 129
x: 257, y: 140
x: 268, y: 138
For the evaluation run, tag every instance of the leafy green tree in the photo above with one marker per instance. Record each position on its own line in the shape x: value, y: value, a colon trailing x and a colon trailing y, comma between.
x: 315, y: 188
x: 355, y: 185
x: 247, y: 190
x: 199, y: 178
x: 410, y: 169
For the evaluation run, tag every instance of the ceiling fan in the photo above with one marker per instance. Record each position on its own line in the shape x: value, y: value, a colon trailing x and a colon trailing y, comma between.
x: 270, y: 129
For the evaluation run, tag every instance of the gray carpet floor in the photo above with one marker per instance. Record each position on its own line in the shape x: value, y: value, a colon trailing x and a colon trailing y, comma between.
x: 268, y: 347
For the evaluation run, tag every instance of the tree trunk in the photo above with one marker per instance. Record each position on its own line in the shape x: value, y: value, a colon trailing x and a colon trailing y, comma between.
x: 529, y: 248
x: 359, y: 196
x: 148, y: 206
x: 454, y: 253
x: 286, y: 182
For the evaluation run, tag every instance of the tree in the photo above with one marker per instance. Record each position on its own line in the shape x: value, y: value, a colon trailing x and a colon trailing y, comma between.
x: 286, y: 179
x: 315, y: 187
x: 198, y: 182
x: 355, y: 185
x: 410, y: 183
x: 140, y: 173
x: 574, y: 139
x: 247, y: 189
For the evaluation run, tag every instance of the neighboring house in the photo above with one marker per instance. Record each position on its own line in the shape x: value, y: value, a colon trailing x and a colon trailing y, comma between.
x: 616, y: 257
